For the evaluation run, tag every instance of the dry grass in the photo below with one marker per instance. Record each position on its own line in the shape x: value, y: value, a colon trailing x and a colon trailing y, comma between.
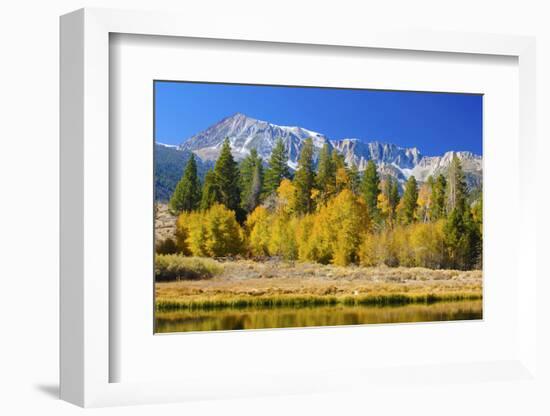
x: 275, y: 283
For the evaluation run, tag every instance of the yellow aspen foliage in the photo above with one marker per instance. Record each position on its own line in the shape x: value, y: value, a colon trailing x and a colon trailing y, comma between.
x: 316, y: 195
x: 286, y: 201
x: 415, y: 245
x: 349, y: 216
x: 384, y: 205
x: 258, y: 225
x: 182, y: 234
x: 225, y: 234
x: 212, y: 233
x: 304, y: 228
x: 335, y: 231
x: 282, y: 241
x: 198, y: 234
x: 318, y: 247
x: 369, y: 252
x: 427, y: 244
x: 342, y: 179
x: 424, y: 202
x: 404, y: 251
x: 379, y: 248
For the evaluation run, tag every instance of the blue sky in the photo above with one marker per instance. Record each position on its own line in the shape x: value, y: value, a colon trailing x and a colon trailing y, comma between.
x: 433, y: 122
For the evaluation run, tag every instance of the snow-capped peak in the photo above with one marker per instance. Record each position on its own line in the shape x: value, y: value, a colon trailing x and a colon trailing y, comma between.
x: 245, y: 133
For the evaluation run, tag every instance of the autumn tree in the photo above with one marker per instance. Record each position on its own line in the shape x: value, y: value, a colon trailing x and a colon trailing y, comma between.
x: 277, y: 167
x: 425, y: 200
x: 286, y: 198
x: 350, y: 221
x: 334, y: 233
x: 305, y: 179
x: 342, y: 180
x: 258, y: 225
x: 224, y: 233
x: 211, y: 233
x: 187, y: 195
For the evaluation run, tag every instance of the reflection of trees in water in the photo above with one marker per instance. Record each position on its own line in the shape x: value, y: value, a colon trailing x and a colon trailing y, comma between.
x: 253, y: 318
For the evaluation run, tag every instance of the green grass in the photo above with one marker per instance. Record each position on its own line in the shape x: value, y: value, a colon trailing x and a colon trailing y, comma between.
x: 170, y: 267
x: 299, y: 301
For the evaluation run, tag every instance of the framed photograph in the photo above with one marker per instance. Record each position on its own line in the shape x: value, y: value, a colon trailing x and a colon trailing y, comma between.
x: 260, y: 225
x: 340, y: 204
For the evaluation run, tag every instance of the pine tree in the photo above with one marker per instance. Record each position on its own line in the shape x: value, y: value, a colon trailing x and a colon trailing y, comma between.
x: 326, y: 174
x: 473, y: 243
x: 249, y: 167
x: 210, y: 191
x: 409, y: 201
x: 394, y: 195
x: 278, y: 168
x: 227, y: 178
x: 354, y: 179
x: 187, y: 195
x: 255, y: 188
x: 341, y: 172
x: 456, y: 186
x: 391, y: 194
x: 337, y: 160
x: 305, y: 179
x: 462, y: 240
x: 437, y: 209
x: 370, y: 188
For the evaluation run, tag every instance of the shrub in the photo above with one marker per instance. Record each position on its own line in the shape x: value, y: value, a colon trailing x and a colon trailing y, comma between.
x: 369, y: 253
x: 166, y: 246
x: 428, y: 245
x: 415, y: 245
x: 176, y: 267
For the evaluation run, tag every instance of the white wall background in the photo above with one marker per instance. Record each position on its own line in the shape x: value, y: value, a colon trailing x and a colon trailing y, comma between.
x: 29, y: 190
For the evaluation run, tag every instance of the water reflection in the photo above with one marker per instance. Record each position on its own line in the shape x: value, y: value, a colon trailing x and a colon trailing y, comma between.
x: 254, y: 318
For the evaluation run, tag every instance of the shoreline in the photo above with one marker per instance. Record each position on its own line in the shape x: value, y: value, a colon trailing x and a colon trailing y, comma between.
x: 274, y: 284
x: 271, y: 302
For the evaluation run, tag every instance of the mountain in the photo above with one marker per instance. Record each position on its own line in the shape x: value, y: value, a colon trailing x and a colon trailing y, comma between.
x: 169, y: 165
x: 358, y: 152
x: 472, y: 165
x: 246, y: 133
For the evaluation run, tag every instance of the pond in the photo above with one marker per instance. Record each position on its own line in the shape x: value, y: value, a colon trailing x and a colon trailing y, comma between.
x: 260, y: 318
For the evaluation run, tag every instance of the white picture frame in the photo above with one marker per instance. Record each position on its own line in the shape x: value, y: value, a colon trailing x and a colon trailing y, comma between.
x: 86, y: 356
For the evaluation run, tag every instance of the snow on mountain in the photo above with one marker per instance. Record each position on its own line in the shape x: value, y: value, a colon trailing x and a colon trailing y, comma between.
x: 246, y: 133
x: 358, y: 152
x: 472, y: 165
